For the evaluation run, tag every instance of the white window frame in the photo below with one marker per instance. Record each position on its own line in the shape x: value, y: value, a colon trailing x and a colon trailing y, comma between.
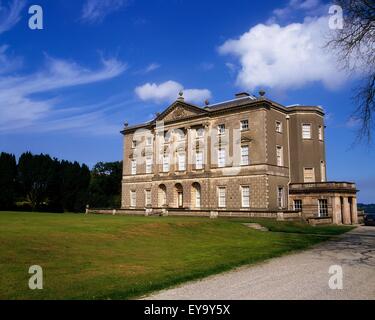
x: 245, y: 161
x: 133, y: 167
x: 280, y: 197
x: 299, y: 207
x: 149, y: 165
x: 148, y: 198
x: 198, y: 197
x: 166, y: 159
x: 244, y: 125
x: 133, y: 198
x: 199, y: 133
x: 322, y: 171
x: 245, y: 196
x: 222, y: 197
x: 313, y: 174
x: 279, y: 156
x: 199, y: 160
x: 321, y: 135
x: 149, y: 141
x: 221, y: 129
x: 306, y: 135
x: 221, y: 157
x: 323, y: 207
x: 279, y: 126
x: 181, y: 159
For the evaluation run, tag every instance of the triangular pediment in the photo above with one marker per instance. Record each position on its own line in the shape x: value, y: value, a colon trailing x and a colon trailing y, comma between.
x: 180, y: 110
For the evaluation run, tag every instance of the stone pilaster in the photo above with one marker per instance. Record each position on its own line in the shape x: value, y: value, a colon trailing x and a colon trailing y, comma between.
x: 354, y: 211
x: 346, y: 211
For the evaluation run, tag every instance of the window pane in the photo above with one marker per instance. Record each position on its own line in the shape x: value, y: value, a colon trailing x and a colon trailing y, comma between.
x: 244, y: 124
x: 309, y: 175
x: 279, y: 156
x: 306, y: 131
x: 244, y: 155
x: 199, y: 160
x: 221, y: 158
x: 222, y: 197
x: 181, y: 162
x: 245, y: 197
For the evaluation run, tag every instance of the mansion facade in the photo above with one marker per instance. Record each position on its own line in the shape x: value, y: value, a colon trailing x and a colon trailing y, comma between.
x: 249, y: 154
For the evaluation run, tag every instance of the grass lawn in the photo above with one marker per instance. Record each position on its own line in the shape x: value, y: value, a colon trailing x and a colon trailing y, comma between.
x: 116, y: 257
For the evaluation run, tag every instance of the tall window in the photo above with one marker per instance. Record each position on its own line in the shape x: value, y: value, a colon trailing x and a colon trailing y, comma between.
x: 306, y: 131
x: 181, y: 161
x: 148, y: 141
x: 147, y: 198
x: 134, y: 167
x: 323, y: 207
x: 148, y: 165
x: 279, y: 127
x: 279, y: 156
x: 323, y: 171
x: 297, y: 204
x: 199, y: 160
x: 244, y: 155
x: 245, y: 196
x: 165, y: 163
x: 222, y: 197
x: 134, y: 144
x: 280, y: 197
x: 180, y: 135
x: 221, y: 158
x: 321, y: 133
x: 167, y: 136
x: 133, y: 198
x: 221, y: 129
x: 244, y: 125
x: 199, y: 133
x: 308, y: 175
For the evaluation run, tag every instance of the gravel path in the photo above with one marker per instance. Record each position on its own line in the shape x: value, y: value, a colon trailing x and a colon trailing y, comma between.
x: 297, y: 276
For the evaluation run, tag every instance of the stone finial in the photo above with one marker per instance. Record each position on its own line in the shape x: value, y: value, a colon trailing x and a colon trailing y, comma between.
x: 207, y: 102
x: 126, y: 124
x: 181, y: 96
x: 262, y: 93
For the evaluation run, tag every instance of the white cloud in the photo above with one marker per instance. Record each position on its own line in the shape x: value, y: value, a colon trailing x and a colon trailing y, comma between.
x: 151, y: 67
x: 8, y: 64
x: 19, y: 108
x: 284, y: 57
x: 295, y: 7
x: 96, y: 10
x: 9, y: 16
x: 168, y: 92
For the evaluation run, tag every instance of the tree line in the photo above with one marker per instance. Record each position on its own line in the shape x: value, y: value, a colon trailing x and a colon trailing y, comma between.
x: 42, y: 183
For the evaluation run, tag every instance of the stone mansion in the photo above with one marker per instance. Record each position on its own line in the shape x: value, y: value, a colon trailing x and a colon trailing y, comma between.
x: 249, y: 155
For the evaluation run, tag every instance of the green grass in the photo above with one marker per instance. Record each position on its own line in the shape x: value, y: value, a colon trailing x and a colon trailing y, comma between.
x: 114, y: 257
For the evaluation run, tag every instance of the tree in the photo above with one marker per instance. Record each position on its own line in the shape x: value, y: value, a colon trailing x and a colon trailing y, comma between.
x: 355, y: 47
x: 105, y: 186
x: 34, y: 172
x: 8, y: 172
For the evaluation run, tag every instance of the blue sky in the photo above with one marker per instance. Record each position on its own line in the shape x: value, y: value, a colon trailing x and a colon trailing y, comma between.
x: 66, y: 90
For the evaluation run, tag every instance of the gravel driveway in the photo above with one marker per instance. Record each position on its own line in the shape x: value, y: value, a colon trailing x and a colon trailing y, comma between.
x: 297, y: 276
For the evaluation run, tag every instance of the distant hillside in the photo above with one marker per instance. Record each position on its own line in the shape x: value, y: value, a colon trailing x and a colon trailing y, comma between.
x: 369, y: 208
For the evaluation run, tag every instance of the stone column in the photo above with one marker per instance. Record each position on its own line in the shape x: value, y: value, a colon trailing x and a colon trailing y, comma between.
x: 346, y: 211
x: 354, y: 211
x: 189, y: 149
x: 336, y: 210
